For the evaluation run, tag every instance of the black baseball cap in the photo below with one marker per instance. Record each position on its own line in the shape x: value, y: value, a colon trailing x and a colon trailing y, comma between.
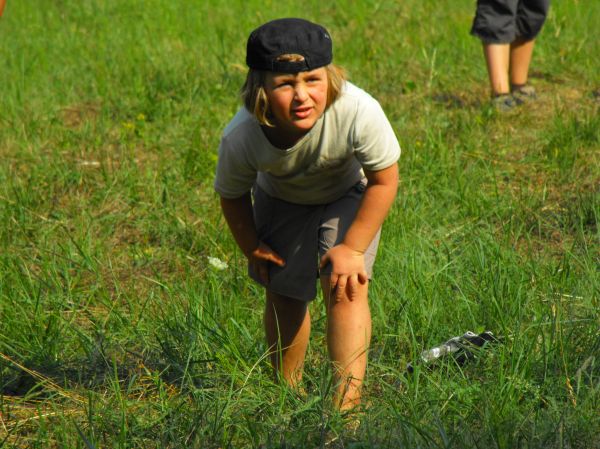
x: 289, y: 36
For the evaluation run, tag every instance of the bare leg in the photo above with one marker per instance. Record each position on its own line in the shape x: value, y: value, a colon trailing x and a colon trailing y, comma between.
x: 520, y: 57
x: 287, y: 327
x: 497, y: 60
x: 348, y: 339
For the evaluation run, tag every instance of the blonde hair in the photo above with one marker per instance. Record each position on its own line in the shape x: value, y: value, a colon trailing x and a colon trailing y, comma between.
x: 255, y: 98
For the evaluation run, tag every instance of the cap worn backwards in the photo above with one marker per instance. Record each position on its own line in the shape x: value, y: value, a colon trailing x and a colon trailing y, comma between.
x: 289, y: 36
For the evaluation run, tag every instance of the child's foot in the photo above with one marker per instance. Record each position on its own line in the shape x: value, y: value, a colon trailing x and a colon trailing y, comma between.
x: 523, y: 93
x: 504, y: 102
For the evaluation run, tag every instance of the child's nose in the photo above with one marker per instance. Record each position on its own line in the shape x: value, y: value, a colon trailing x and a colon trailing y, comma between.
x: 301, y: 92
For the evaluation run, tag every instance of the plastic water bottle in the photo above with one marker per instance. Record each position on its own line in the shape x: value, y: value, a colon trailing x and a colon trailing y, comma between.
x: 461, y: 347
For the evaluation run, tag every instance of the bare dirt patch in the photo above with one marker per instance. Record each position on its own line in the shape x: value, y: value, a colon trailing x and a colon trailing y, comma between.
x: 75, y: 115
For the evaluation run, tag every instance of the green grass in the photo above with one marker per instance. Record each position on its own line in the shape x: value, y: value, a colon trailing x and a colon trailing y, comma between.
x: 116, y: 332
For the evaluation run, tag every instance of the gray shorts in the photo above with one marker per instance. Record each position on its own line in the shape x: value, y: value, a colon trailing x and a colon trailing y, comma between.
x: 503, y: 21
x: 301, y: 235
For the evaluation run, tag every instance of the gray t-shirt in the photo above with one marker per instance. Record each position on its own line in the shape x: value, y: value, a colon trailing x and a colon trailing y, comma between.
x: 352, y: 134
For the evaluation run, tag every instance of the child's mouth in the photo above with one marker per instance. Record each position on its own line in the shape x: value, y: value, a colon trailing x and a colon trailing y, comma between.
x: 302, y: 113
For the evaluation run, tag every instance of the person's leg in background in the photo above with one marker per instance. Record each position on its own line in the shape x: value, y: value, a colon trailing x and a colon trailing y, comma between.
x: 495, y: 25
x: 521, y: 52
x: 507, y: 29
x: 531, y: 15
x: 497, y: 58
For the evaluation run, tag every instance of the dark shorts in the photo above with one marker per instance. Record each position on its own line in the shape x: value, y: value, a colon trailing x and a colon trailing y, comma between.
x: 301, y: 235
x: 503, y: 21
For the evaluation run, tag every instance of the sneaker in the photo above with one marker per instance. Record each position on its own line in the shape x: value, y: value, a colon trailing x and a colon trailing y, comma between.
x: 523, y: 94
x: 504, y: 102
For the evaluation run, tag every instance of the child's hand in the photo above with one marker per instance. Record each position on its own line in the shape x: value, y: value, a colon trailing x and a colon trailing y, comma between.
x: 260, y: 259
x: 348, y: 271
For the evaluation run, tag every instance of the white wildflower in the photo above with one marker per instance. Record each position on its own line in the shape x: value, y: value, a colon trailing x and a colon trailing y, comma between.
x: 217, y: 263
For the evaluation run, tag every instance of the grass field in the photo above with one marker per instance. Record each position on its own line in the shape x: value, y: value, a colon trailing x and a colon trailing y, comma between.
x: 117, y: 332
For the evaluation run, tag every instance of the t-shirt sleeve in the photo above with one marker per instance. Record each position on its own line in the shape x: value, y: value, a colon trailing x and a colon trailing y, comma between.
x: 375, y: 144
x: 235, y: 175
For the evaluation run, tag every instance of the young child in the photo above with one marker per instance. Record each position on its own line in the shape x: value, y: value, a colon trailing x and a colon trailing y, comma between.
x: 307, y: 168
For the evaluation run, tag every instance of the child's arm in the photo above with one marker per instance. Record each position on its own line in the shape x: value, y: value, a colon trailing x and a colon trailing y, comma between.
x: 347, y: 258
x: 238, y: 214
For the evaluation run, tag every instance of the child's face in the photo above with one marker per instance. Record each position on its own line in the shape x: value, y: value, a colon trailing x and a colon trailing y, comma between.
x: 297, y: 100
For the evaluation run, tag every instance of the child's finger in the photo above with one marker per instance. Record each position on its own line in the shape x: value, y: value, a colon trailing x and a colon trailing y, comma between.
x: 353, y: 282
x: 266, y: 253
x: 341, y: 288
x: 333, y: 282
x: 363, y: 277
x: 263, y: 273
x: 277, y: 259
x: 324, y: 261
